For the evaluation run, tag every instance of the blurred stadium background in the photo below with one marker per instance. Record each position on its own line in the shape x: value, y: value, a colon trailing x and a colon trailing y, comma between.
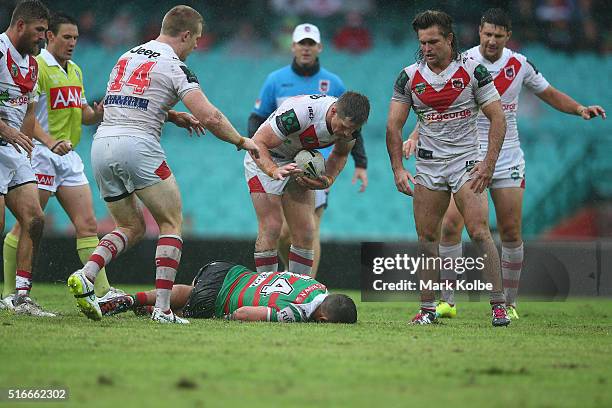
x: 366, y: 42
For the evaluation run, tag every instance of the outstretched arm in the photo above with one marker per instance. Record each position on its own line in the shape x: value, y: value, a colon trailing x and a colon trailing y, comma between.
x: 252, y: 314
x: 564, y: 103
x: 212, y: 119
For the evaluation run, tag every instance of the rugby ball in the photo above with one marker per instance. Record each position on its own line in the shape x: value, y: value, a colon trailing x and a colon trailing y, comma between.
x: 311, y: 162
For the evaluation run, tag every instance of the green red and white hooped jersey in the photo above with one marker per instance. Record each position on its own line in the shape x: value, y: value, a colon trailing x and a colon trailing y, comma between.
x: 510, y: 73
x: 18, y: 81
x: 290, y: 297
x: 300, y: 123
x: 146, y: 82
x: 446, y: 105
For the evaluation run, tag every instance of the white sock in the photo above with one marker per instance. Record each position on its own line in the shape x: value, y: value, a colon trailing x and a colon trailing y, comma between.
x: 167, y: 259
x: 300, y: 260
x: 109, y: 247
x: 449, y: 275
x: 512, y: 264
x: 266, y: 261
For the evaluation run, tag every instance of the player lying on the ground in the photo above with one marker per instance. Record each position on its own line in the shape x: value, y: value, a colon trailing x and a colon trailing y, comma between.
x: 226, y: 290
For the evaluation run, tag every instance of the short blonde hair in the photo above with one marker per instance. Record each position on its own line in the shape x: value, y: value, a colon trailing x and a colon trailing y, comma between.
x: 180, y: 19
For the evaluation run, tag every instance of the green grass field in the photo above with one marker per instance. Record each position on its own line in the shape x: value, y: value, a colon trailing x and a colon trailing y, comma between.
x: 556, y: 355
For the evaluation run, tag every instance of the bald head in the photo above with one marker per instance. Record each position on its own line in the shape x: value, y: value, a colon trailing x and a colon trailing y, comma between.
x: 180, y: 19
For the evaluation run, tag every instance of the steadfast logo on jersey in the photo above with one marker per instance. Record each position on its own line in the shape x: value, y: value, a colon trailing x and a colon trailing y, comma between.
x: 130, y: 102
x: 440, y: 100
x: 65, y: 97
x: 288, y: 122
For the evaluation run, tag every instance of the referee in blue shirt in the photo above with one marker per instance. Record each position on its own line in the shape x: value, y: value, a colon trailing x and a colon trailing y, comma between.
x: 305, y: 76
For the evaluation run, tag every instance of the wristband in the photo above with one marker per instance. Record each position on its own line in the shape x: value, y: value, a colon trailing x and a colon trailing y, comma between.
x: 57, y: 144
x: 329, y: 180
x: 240, y: 143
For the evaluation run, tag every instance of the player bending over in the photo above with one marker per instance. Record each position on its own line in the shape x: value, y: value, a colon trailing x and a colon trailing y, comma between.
x: 226, y: 290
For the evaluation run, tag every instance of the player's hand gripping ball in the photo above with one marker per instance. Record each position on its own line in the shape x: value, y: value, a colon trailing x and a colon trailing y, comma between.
x: 311, y: 162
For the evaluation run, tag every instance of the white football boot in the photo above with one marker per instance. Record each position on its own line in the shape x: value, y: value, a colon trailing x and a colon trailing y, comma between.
x: 25, y: 305
x: 83, y: 291
x: 161, y: 317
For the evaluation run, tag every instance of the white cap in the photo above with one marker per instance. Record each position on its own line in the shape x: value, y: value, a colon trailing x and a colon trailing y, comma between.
x: 306, y: 31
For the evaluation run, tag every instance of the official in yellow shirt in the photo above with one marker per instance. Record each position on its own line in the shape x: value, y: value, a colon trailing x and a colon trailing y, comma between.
x: 61, y: 110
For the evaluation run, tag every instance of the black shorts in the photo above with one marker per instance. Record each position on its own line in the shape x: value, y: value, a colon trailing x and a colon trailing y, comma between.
x: 206, y: 287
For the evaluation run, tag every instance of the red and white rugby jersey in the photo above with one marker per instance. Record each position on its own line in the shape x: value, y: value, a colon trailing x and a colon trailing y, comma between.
x: 446, y: 105
x: 18, y: 79
x: 510, y: 73
x: 146, y: 82
x: 300, y: 123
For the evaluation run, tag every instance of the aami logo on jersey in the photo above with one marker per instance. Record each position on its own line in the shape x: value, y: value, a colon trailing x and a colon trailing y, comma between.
x: 45, y: 179
x: 65, y: 97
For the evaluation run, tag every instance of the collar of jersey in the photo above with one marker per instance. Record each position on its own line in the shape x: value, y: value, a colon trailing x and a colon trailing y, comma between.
x: 49, y: 58
x: 166, y: 46
x: 21, y: 61
x: 306, y: 71
x: 500, y: 62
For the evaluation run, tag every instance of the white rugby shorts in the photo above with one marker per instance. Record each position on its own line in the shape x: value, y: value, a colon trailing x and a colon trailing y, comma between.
x: 260, y: 182
x: 53, y: 170
x: 445, y: 174
x: 123, y: 164
x: 509, y: 169
x: 15, y: 168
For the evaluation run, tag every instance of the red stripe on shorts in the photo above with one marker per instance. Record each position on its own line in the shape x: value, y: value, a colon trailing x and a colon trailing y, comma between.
x: 163, y: 171
x: 255, y: 185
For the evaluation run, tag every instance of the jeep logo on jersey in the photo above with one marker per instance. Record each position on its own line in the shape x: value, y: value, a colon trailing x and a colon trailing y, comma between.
x: 509, y: 72
x: 145, y: 52
x: 288, y: 122
x: 65, y: 97
x: 324, y: 86
x: 458, y: 84
x: 420, y: 88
